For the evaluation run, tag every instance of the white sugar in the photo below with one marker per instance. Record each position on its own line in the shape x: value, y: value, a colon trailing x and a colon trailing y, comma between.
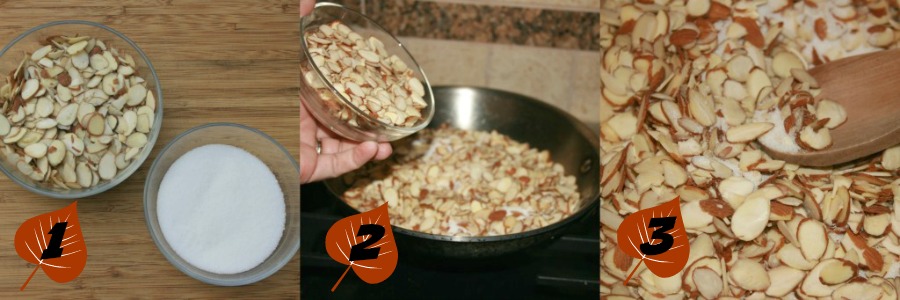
x: 778, y: 138
x: 221, y: 209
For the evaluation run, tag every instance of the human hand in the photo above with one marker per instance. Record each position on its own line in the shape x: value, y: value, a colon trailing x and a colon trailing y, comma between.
x: 306, y: 6
x: 324, y: 154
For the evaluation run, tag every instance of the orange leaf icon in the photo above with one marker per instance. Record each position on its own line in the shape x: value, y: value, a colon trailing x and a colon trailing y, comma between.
x: 364, y: 242
x: 54, y: 242
x: 656, y: 236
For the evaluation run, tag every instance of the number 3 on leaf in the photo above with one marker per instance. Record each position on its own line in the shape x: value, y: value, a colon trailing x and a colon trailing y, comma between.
x: 666, y: 240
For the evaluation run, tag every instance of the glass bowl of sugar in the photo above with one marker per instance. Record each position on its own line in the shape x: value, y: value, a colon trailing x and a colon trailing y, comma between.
x: 222, y: 203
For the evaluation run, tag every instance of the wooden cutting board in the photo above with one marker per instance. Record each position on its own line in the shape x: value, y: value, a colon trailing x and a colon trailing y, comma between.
x: 218, y: 61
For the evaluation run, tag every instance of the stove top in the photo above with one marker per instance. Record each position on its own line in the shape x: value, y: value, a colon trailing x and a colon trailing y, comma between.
x: 565, y: 268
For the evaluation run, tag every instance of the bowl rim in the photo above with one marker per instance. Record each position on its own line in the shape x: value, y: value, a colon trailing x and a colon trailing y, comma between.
x: 591, y: 202
x: 321, y: 77
x: 170, y: 254
x: 151, y: 139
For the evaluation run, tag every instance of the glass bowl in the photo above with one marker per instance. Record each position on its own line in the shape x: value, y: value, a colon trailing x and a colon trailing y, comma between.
x: 28, y: 42
x: 367, y: 128
x: 275, y: 156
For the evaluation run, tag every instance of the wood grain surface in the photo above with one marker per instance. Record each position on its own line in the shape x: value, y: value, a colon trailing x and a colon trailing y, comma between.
x: 218, y: 61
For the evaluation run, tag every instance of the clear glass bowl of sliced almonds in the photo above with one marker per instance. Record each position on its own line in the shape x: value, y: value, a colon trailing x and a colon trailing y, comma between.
x: 358, y: 79
x: 81, y: 106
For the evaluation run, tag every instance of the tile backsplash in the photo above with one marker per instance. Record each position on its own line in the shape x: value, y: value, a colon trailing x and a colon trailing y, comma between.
x: 548, y: 50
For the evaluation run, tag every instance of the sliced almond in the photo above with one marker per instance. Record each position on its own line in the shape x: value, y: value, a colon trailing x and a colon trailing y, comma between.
x: 739, y: 67
x: 698, y: 8
x: 749, y: 275
x: 56, y: 152
x: 747, y: 132
x: 833, y: 111
x: 877, y: 225
x: 890, y: 159
x: 784, y: 61
x: 708, y: 282
x: 802, y: 76
x: 31, y: 87
x: 36, y: 150
x: 815, y: 139
x: 84, y: 175
x: 859, y: 290
x: 812, y: 285
x: 5, y: 127
x: 750, y: 219
x: 836, y: 271
x: 812, y: 237
x: 757, y: 80
x: 96, y: 124
x: 136, y: 140
x: 107, y: 168
x: 784, y: 280
x: 67, y: 114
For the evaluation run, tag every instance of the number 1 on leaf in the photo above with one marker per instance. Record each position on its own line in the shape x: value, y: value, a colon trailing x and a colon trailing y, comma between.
x: 56, y: 236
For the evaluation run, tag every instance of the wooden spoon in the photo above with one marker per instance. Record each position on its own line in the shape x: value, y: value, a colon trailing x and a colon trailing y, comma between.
x: 868, y: 86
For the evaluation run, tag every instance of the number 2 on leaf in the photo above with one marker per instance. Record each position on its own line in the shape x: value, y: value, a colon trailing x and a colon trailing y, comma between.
x: 56, y: 236
x: 359, y: 252
x: 666, y: 240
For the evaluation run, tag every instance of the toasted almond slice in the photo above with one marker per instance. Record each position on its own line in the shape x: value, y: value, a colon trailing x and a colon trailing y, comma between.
x: 833, y: 111
x: 624, y: 125
x: 812, y: 285
x: 804, y: 77
x: 702, y: 108
x: 784, y: 280
x: 739, y: 67
x: 698, y: 8
x: 708, y: 282
x: 793, y: 257
x: 689, y: 193
x: 877, y: 225
x: 815, y: 139
x: 750, y: 218
x: 694, y: 217
x: 890, y: 160
x: 757, y: 80
x: 836, y: 271
x: 96, y: 124
x: 860, y: 290
x: 812, y: 237
x: 735, y: 189
x: 30, y: 88
x: 747, y: 132
x: 675, y: 175
x: 784, y: 61
x: 749, y: 275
